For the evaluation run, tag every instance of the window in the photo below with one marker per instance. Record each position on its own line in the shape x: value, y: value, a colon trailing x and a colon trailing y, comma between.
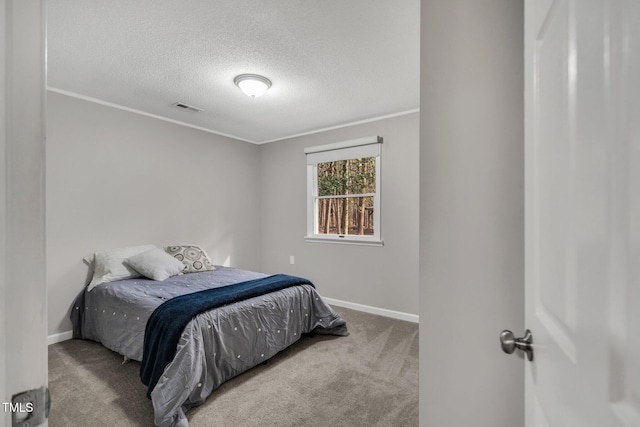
x: 343, y: 192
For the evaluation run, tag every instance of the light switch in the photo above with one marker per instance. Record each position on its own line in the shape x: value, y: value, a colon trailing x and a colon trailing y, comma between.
x: 292, y: 259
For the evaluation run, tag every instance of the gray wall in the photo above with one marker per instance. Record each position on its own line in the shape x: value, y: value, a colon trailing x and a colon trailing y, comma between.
x: 471, y: 219
x: 116, y: 178
x: 382, y: 277
x: 23, y: 326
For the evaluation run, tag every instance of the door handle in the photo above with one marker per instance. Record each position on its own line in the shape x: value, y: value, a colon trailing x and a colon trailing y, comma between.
x: 509, y: 343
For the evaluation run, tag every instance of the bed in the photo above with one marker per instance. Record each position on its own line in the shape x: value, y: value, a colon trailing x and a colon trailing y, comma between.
x: 215, y: 345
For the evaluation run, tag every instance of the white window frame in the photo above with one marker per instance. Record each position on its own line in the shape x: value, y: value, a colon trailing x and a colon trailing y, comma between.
x: 352, y: 149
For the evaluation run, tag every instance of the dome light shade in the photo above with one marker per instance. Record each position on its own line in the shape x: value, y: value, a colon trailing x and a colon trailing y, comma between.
x: 252, y: 85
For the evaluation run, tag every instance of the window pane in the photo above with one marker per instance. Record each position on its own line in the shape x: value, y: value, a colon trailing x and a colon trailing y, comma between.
x: 346, y: 215
x: 353, y: 176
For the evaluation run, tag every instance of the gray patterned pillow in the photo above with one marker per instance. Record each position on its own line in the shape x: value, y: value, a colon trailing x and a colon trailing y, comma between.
x: 193, y: 257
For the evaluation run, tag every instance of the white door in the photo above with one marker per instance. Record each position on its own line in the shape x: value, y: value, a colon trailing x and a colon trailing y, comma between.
x: 582, y: 158
x: 23, y: 315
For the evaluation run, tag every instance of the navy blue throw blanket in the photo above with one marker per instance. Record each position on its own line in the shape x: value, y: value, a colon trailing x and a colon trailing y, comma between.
x: 166, y: 323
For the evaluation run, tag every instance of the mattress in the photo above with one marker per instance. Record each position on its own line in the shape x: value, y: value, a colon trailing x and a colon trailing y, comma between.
x: 216, y: 345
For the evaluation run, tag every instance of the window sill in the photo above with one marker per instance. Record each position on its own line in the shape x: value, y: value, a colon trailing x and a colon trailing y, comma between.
x: 344, y: 241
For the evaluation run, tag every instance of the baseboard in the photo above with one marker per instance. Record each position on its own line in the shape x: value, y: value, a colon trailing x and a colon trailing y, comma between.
x: 374, y: 310
x: 62, y: 336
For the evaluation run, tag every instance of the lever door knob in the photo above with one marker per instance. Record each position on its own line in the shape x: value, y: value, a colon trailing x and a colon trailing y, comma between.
x: 509, y: 343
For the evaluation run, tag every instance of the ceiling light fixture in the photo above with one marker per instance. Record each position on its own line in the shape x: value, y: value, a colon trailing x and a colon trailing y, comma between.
x: 252, y: 84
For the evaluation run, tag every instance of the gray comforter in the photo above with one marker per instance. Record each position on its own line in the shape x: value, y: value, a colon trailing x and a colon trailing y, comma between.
x: 216, y: 345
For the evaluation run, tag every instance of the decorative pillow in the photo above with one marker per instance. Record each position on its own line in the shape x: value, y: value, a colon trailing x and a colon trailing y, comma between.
x: 194, y: 257
x: 155, y: 264
x: 109, y: 265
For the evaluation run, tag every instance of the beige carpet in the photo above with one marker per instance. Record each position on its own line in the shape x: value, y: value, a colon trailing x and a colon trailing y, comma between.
x: 369, y: 378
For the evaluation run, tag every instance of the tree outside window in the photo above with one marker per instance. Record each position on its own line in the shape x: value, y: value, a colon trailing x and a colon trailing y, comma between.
x: 345, y: 196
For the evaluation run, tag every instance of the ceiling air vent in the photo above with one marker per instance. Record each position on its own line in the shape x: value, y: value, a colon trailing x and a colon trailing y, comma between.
x: 183, y: 106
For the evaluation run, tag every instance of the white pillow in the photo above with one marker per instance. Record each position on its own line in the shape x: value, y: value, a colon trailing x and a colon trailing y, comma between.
x: 109, y: 266
x: 155, y: 264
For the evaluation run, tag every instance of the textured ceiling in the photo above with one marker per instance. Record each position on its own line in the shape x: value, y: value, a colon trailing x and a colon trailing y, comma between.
x: 332, y: 62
